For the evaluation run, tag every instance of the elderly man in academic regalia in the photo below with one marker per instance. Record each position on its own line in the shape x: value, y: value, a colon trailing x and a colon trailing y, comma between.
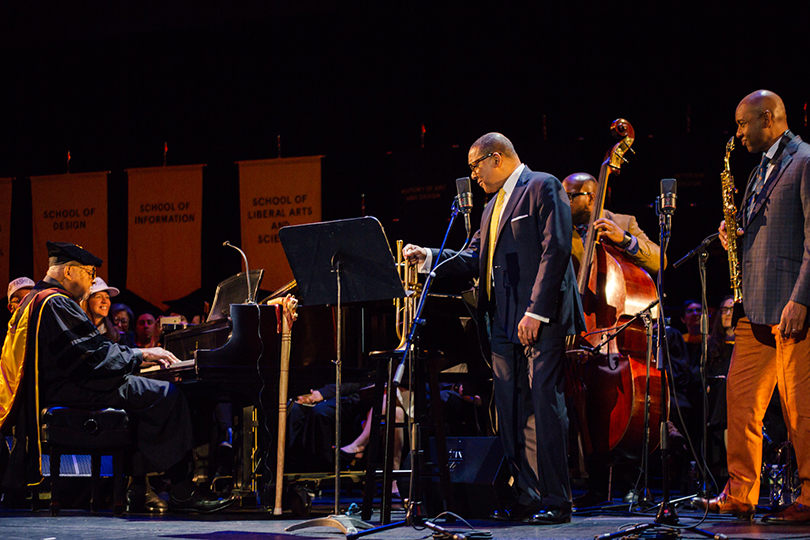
x: 50, y: 335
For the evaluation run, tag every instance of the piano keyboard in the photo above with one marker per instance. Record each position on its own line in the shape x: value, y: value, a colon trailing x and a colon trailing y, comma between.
x: 178, y: 365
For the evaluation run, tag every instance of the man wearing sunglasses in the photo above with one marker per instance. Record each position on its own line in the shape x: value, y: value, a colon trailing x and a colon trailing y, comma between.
x: 527, y: 304
x: 620, y: 229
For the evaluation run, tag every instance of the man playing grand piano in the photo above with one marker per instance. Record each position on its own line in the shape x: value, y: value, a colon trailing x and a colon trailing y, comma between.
x: 76, y: 364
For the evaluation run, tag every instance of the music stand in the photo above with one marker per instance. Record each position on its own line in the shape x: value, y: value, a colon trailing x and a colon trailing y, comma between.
x: 357, y: 252
x: 234, y: 290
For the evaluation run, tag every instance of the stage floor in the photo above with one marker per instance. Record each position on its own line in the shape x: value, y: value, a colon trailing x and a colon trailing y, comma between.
x: 258, y: 525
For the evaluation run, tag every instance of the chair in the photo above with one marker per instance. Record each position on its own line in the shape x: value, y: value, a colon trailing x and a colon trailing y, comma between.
x: 97, y: 432
x: 380, y: 460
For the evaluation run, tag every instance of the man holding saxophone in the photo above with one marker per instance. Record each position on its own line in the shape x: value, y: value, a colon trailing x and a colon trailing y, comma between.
x: 772, y: 345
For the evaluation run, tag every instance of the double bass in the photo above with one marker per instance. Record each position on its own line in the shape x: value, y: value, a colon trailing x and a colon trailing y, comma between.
x: 610, y: 384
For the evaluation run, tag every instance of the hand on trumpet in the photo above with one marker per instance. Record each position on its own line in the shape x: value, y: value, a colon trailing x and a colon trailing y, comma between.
x: 724, y: 235
x: 414, y: 254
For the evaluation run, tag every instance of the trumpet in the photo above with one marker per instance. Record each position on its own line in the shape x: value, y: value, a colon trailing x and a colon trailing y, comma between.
x: 406, y: 307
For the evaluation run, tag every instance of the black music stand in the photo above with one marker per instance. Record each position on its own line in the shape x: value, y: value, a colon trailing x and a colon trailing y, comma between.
x: 333, y: 262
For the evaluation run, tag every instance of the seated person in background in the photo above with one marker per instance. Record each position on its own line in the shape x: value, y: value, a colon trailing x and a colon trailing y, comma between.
x: 721, y: 343
x: 17, y: 290
x: 311, y: 429
x: 97, y: 308
x: 122, y: 317
x: 693, y: 338
x: 311, y: 426
x: 146, y: 332
x: 76, y: 364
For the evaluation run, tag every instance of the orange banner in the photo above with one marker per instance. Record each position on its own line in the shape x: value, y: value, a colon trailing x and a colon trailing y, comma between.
x: 164, y: 254
x: 275, y: 193
x: 69, y: 208
x: 5, y: 229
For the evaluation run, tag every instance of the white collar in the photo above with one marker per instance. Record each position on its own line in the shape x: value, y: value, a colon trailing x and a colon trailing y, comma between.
x: 511, y: 182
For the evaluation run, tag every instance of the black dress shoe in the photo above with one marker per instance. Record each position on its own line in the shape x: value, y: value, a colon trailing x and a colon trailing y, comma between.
x: 516, y: 512
x: 144, y: 503
x: 201, y: 501
x: 550, y: 516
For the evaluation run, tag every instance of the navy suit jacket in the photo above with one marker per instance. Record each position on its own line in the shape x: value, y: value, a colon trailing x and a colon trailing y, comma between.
x: 775, y: 249
x: 532, y: 261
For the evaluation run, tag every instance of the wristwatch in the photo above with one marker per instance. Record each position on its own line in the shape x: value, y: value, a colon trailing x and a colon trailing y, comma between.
x: 628, y: 239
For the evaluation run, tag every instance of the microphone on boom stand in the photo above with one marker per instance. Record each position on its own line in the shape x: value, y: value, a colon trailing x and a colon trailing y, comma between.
x: 250, y: 299
x: 465, y: 202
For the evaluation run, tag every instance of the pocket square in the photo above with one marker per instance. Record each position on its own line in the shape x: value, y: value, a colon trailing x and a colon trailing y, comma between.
x: 519, y: 218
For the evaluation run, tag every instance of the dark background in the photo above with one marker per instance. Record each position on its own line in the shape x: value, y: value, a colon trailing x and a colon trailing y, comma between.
x: 355, y: 82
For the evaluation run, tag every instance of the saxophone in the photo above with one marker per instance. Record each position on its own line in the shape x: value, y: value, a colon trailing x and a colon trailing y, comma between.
x: 730, y: 212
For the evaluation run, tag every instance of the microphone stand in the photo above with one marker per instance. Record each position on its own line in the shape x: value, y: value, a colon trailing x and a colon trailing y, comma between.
x: 703, y: 253
x: 666, y: 516
x: 250, y: 298
x: 412, y: 517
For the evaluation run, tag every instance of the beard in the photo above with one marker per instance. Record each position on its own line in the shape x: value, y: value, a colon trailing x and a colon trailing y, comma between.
x: 581, y: 217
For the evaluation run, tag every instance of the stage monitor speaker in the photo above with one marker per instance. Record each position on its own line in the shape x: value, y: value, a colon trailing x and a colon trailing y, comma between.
x: 479, y: 477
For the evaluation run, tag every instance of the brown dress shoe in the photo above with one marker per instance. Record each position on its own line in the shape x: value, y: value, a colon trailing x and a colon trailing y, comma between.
x: 795, y: 513
x: 724, y: 505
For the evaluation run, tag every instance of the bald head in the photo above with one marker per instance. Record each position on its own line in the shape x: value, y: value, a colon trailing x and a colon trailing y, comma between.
x: 495, y: 142
x: 761, y: 120
x: 579, y: 182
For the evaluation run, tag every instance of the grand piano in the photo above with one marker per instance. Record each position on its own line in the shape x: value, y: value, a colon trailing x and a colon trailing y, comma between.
x: 234, y: 360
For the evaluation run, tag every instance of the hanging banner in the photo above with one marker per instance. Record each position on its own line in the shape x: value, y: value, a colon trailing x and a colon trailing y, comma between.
x: 69, y: 208
x: 164, y: 253
x: 5, y: 230
x: 275, y: 193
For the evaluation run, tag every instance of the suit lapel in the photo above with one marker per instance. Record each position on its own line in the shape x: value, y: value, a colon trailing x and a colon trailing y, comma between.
x: 514, y: 197
x: 486, y: 217
x: 776, y: 175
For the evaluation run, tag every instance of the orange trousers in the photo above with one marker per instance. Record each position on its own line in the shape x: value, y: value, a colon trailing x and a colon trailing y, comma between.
x: 761, y: 360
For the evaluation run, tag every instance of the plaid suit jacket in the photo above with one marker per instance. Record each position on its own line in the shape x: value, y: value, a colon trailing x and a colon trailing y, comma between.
x: 775, y: 249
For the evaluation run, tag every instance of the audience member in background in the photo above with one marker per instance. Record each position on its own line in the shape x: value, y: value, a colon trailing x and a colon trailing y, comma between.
x: 691, y: 321
x: 122, y: 317
x: 17, y: 290
x: 721, y: 343
x: 311, y: 426
x: 311, y: 429
x: 97, y: 307
x: 146, y: 332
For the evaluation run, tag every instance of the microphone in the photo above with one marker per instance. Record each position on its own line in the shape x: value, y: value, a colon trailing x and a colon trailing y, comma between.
x: 250, y: 299
x: 465, y: 200
x: 669, y: 194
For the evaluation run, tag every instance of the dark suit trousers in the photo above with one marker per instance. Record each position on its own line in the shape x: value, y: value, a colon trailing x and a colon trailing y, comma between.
x: 529, y: 399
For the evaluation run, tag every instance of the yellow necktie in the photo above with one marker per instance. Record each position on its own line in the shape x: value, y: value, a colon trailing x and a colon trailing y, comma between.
x: 493, y: 234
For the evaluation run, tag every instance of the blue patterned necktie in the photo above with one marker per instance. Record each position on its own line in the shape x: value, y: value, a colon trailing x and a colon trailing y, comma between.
x: 759, y: 183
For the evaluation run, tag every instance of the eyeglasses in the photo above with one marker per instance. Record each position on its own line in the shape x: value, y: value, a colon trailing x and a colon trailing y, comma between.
x: 572, y: 196
x: 727, y: 309
x: 694, y: 310
x: 91, y: 273
x: 120, y: 320
x: 474, y: 164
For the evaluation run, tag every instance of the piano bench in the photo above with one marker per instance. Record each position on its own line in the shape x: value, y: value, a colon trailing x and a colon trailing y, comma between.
x: 97, y: 432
